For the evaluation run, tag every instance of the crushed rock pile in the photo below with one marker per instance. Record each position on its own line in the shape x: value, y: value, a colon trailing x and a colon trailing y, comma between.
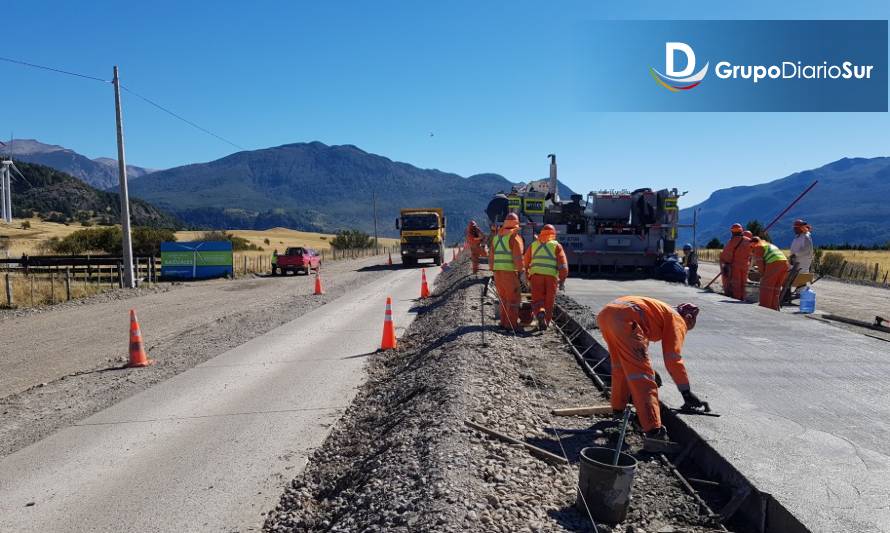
x: 402, y: 459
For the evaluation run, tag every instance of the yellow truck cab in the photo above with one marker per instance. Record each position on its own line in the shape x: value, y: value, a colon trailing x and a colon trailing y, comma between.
x: 422, y: 232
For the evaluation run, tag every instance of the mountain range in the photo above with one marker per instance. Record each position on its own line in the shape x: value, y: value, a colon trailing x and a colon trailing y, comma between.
x: 57, y: 196
x: 316, y: 187
x: 850, y: 204
x: 100, y: 173
x: 313, y: 186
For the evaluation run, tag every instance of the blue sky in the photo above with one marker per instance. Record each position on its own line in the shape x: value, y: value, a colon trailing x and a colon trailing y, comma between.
x: 495, y: 82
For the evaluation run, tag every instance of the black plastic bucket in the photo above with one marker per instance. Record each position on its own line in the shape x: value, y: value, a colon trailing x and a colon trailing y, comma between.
x: 605, y: 489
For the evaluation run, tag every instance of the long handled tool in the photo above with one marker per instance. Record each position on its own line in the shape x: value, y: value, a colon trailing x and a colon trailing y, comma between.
x: 779, y: 216
x: 621, y: 435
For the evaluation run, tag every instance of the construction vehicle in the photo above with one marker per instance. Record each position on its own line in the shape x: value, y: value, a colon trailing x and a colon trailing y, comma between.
x: 608, y: 232
x: 422, y: 232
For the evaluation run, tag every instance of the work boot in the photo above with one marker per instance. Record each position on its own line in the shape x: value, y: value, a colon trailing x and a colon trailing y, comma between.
x: 657, y: 441
x: 542, y: 321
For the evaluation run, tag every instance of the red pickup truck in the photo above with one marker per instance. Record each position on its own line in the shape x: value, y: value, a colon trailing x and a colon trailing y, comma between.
x: 297, y: 259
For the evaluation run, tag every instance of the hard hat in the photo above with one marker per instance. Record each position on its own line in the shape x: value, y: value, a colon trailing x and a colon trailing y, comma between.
x: 747, y: 233
x: 689, y: 312
x: 736, y: 228
x: 548, y: 227
x: 472, y: 222
x: 512, y: 217
x: 687, y: 246
x: 799, y: 222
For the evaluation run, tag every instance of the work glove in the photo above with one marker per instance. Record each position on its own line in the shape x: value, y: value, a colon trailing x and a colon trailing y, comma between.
x: 690, y: 400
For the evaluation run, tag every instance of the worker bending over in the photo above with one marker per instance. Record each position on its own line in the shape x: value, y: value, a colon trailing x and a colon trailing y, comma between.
x: 734, y: 260
x: 475, y: 238
x: 505, y: 259
x: 773, y: 267
x: 628, y: 324
x: 546, y: 267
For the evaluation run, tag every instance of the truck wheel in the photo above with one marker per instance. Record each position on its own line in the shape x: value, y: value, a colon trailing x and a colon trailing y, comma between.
x: 438, y: 260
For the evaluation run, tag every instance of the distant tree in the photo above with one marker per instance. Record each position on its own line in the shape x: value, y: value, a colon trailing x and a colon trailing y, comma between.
x: 351, y: 239
x: 755, y: 227
x: 239, y: 244
x: 714, y: 244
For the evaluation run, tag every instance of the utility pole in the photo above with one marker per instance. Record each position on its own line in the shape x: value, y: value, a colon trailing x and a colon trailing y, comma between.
x: 127, y: 281
x: 374, y: 196
x: 6, y: 188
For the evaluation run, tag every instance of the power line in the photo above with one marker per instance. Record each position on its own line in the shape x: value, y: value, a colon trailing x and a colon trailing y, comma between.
x: 144, y: 98
x: 51, y: 69
x: 187, y: 121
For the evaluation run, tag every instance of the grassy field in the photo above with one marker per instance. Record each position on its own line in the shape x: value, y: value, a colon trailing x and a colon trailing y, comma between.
x: 278, y: 238
x: 27, y: 240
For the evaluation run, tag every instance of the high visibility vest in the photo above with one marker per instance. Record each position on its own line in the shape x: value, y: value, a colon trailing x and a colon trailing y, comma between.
x: 503, y: 255
x: 274, y: 259
x: 772, y: 253
x: 544, y: 259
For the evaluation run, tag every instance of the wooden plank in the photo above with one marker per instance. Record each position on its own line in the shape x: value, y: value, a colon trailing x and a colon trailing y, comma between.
x: 583, y: 411
x: 539, y: 452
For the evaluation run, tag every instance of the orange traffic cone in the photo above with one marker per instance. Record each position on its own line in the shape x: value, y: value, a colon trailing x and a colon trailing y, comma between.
x: 389, y: 329
x: 138, y: 357
x: 318, y: 288
x: 389, y: 262
x: 424, y: 288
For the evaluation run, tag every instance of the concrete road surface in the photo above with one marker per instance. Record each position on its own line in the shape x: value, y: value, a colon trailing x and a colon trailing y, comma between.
x: 211, y: 448
x: 805, y: 405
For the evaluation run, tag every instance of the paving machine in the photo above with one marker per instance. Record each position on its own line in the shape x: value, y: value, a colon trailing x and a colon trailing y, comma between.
x: 606, y: 232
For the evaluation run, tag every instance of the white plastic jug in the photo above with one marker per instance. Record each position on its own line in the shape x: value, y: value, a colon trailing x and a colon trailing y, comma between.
x: 808, y: 300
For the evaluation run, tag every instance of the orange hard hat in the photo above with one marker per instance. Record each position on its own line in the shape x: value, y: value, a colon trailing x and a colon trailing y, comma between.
x: 736, y: 228
x: 747, y: 233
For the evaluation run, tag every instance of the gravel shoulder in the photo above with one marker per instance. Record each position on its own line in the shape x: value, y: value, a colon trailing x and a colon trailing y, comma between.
x: 402, y: 458
x: 62, y: 364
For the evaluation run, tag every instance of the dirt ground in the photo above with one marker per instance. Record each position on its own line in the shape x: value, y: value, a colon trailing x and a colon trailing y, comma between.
x: 62, y: 363
x: 402, y: 459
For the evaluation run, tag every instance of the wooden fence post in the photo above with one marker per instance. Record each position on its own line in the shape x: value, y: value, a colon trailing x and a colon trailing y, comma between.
x: 31, y: 281
x: 67, y: 284
x: 120, y: 278
x: 877, y: 269
x: 152, y: 275
x: 52, y: 287
x: 9, y: 300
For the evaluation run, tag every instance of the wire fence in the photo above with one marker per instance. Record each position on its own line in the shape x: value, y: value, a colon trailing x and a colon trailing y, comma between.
x: 33, y: 286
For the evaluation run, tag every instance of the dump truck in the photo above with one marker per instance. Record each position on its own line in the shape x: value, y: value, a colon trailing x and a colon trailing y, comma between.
x: 422, y: 233
x: 609, y: 231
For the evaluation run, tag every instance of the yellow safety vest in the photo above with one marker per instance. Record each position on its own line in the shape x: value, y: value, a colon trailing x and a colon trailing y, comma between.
x: 544, y: 259
x: 503, y: 255
x: 772, y: 253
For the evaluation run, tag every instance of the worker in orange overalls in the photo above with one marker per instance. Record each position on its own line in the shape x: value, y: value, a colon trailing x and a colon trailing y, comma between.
x: 546, y: 267
x: 773, y: 267
x: 475, y: 238
x: 505, y: 259
x: 628, y: 324
x: 734, y: 261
